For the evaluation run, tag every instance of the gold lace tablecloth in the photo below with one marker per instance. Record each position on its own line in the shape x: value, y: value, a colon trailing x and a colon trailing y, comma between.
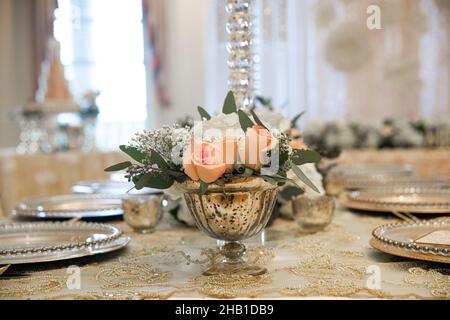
x: 336, y: 263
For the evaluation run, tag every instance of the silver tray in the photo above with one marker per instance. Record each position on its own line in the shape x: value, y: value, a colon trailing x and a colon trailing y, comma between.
x: 369, y: 182
x: 43, y: 242
x: 403, y: 239
x: 110, y: 187
x: 412, y: 200
x: 70, y: 206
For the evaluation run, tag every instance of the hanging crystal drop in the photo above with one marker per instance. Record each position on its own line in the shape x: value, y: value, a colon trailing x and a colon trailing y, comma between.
x: 240, y: 48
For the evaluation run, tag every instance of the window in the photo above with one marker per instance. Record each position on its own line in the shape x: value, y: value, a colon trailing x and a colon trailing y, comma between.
x: 102, y: 48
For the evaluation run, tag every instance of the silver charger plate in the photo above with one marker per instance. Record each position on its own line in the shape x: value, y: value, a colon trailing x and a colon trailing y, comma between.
x: 70, y: 206
x: 368, y: 170
x: 52, y: 241
x: 110, y: 187
x: 412, y: 200
x: 363, y: 182
x: 403, y: 239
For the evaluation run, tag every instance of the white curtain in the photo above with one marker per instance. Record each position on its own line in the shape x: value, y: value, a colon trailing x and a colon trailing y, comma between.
x: 319, y: 56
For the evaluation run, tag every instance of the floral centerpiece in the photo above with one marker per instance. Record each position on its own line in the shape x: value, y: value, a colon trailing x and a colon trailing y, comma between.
x: 228, y: 166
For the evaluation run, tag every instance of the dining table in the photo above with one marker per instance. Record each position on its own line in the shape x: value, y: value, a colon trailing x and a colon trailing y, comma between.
x: 336, y: 263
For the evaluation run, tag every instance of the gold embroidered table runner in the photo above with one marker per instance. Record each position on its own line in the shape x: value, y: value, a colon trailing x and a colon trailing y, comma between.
x: 336, y: 263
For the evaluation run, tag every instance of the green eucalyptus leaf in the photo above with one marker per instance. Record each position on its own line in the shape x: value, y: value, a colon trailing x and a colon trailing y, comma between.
x: 160, y: 182
x: 229, y: 105
x: 265, y: 102
x: 284, y: 156
x: 118, y: 167
x: 300, y: 157
x: 296, y: 118
x: 156, y: 158
x: 248, y: 172
x: 134, y: 153
x: 141, y: 181
x: 257, y: 120
x: 245, y: 121
x: 153, y: 180
x: 276, y: 177
x: 203, y: 188
x: 239, y: 168
x: 299, y: 173
x: 203, y: 113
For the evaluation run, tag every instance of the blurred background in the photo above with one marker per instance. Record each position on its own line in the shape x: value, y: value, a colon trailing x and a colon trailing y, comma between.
x: 80, y: 77
x: 144, y: 63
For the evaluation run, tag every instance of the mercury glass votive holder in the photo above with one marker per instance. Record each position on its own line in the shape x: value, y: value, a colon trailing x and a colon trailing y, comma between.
x: 313, y: 214
x: 142, y: 212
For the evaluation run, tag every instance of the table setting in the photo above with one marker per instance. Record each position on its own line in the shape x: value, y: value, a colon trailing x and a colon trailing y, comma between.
x: 257, y: 233
x: 236, y: 204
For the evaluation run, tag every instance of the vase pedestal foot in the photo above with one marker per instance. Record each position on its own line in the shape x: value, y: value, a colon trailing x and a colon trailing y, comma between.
x: 240, y: 269
x: 233, y: 262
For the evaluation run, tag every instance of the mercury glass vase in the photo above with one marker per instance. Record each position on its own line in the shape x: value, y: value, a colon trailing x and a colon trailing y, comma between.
x: 238, y: 210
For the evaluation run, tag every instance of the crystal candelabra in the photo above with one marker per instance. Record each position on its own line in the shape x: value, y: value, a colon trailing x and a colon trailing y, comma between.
x: 240, y: 28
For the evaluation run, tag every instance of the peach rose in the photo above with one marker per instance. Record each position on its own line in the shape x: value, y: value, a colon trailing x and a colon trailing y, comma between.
x: 258, y: 141
x: 228, y: 151
x: 298, y: 144
x: 294, y: 133
x: 209, y: 161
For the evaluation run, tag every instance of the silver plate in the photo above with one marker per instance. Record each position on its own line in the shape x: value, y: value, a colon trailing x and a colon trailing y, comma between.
x: 369, y: 182
x: 373, y: 170
x: 412, y: 200
x: 402, y: 239
x: 70, y: 206
x: 110, y: 187
x: 43, y: 242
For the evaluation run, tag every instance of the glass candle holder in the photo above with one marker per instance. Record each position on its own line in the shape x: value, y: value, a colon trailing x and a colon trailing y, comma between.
x: 142, y: 213
x: 313, y: 214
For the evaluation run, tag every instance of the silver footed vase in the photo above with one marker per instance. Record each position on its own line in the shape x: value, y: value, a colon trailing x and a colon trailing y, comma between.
x: 233, y: 212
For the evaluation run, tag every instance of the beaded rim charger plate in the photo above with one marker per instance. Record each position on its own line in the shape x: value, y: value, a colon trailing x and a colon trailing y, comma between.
x: 407, y: 239
x: 22, y: 243
x: 110, y: 187
x: 412, y: 200
x: 373, y: 170
x: 70, y: 206
x: 363, y: 182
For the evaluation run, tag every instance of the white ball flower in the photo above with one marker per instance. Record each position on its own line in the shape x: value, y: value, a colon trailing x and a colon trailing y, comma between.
x: 347, y: 47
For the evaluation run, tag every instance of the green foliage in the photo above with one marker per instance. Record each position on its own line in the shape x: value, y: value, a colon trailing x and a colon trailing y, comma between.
x: 296, y: 118
x: 203, y: 113
x: 229, y: 105
x: 118, y: 167
x: 257, y: 120
x: 245, y: 121
x: 156, y: 158
x: 134, y: 153
x: 203, y: 188
x: 299, y: 173
x: 153, y: 179
x: 300, y: 157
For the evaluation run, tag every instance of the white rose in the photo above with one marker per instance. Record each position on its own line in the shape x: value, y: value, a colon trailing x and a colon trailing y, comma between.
x: 274, y: 120
x: 316, y: 178
x: 219, y: 126
x: 311, y: 172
